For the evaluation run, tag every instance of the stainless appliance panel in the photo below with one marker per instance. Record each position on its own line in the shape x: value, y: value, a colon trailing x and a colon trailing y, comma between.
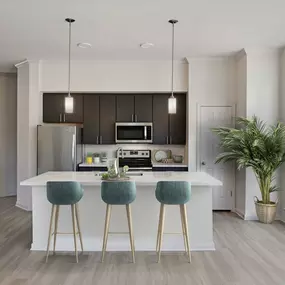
x: 134, y: 132
x: 58, y: 148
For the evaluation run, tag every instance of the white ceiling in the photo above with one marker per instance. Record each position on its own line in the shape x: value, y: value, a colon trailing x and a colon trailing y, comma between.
x: 35, y: 29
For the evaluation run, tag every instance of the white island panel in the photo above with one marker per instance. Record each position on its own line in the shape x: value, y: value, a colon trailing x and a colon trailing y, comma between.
x: 145, y: 212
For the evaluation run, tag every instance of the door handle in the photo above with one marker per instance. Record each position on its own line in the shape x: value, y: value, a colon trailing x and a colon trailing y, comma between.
x: 203, y: 163
x: 60, y: 118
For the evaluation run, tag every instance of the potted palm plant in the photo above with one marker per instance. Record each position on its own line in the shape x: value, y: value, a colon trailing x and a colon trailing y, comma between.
x: 260, y: 147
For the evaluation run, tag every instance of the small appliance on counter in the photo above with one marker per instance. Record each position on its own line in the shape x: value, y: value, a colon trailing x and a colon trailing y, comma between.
x: 103, y: 157
x: 136, y: 160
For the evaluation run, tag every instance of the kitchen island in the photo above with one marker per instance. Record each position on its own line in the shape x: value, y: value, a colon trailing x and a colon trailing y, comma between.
x: 145, y: 211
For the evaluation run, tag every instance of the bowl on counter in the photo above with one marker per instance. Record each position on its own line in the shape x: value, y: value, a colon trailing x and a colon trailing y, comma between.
x: 177, y: 158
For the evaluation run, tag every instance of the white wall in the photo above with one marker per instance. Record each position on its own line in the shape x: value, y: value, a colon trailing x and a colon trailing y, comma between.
x: 8, y: 134
x: 262, y: 100
x: 211, y: 82
x: 241, y: 86
x: 114, y: 76
x: 282, y: 117
x: 28, y: 117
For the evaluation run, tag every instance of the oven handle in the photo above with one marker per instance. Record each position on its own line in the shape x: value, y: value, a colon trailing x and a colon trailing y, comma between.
x: 145, y: 132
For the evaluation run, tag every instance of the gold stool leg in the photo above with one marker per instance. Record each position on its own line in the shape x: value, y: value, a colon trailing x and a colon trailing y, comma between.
x: 49, y: 233
x: 158, y: 230
x: 161, y: 230
x: 106, y: 231
x: 129, y: 215
x: 55, y: 227
x: 183, y: 227
x: 186, y: 231
x: 74, y: 231
x: 78, y: 226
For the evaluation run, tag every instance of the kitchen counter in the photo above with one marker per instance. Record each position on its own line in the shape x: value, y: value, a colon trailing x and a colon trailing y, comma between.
x: 101, y: 164
x: 161, y: 164
x: 145, y: 211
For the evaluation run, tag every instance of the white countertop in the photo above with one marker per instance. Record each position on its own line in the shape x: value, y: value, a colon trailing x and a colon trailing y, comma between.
x: 148, y: 178
x: 161, y: 164
x: 154, y: 164
x: 101, y: 164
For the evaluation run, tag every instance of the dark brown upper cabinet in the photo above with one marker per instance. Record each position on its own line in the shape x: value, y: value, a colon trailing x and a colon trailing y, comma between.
x: 134, y: 108
x: 160, y: 119
x: 107, y: 119
x: 99, y: 119
x: 53, y: 108
x: 91, y: 126
x: 143, y: 108
x: 177, y: 122
x: 125, y: 108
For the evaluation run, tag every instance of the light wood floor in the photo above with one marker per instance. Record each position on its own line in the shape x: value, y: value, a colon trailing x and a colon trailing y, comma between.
x: 248, y: 253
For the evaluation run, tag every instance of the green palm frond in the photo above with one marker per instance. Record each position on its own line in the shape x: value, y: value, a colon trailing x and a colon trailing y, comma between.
x: 253, y: 144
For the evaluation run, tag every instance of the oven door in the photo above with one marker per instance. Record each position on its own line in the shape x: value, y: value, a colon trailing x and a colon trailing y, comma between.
x: 133, y: 132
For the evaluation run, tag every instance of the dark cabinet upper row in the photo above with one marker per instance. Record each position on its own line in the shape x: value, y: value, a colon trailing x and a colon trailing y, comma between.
x: 99, y: 112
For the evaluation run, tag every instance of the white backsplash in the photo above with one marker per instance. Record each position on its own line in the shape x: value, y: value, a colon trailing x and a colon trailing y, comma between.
x: 111, y: 150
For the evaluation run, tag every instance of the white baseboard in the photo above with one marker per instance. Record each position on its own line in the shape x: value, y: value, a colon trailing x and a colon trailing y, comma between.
x: 239, y: 213
x: 18, y: 205
x: 65, y: 243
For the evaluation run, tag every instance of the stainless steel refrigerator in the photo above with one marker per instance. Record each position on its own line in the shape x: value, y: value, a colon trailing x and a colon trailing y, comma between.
x: 59, y: 148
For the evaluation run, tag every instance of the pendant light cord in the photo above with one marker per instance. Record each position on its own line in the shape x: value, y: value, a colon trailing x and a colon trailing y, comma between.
x: 172, y: 74
x: 69, y: 52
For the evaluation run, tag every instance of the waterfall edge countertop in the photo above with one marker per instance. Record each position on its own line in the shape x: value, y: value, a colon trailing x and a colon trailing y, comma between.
x: 145, y: 178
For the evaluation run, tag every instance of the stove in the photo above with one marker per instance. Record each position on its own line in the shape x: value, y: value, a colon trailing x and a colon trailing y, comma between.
x: 137, y: 160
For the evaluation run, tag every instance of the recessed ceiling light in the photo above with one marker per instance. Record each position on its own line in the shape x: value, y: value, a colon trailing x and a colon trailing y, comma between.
x: 146, y: 45
x: 84, y: 45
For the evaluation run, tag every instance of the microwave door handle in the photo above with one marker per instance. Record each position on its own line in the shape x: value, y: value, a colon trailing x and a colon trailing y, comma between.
x: 145, y: 132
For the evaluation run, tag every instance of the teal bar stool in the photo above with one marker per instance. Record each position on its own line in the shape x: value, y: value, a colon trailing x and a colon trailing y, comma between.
x: 118, y: 193
x: 62, y: 194
x: 173, y: 193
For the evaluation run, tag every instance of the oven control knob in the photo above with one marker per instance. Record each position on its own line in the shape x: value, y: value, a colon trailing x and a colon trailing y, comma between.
x: 124, y: 153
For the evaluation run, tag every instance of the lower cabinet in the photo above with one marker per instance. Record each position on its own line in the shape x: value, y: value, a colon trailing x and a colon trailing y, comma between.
x: 159, y: 168
x: 91, y: 168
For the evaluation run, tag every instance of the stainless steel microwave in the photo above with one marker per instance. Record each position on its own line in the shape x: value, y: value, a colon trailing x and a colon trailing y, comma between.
x: 133, y: 132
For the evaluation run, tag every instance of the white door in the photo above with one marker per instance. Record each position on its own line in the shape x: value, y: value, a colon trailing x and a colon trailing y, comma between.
x: 212, y: 117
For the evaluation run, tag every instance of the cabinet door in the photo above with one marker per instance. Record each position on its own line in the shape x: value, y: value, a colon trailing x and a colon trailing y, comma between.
x: 177, y: 121
x: 143, y: 108
x: 107, y: 119
x: 91, y: 119
x: 125, y: 108
x: 77, y: 115
x: 52, y: 108
x: 160, y: 118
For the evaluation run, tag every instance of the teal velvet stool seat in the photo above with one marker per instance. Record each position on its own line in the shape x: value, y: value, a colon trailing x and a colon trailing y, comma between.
x: 61, y: 194
x: 173, y: 193
x: 118, y: 193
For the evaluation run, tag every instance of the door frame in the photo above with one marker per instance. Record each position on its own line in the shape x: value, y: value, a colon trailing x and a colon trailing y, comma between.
x: 198, y: 136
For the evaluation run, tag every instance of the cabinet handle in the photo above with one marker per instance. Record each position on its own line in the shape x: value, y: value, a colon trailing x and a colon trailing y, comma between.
x: 64, y: 117
x: 100, y: 139
x: 60, y: 117
x: 167, y: 140
x: 136, y: 118
x: 132, y: 117
x: 170, y: 139
x: 97, y: 140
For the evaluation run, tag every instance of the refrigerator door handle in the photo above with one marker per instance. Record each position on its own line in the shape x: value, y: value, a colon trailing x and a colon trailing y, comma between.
x: 73, y: 152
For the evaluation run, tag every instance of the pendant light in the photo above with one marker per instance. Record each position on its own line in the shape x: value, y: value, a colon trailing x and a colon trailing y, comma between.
x: 69, y: 101
x: 172, y: 99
